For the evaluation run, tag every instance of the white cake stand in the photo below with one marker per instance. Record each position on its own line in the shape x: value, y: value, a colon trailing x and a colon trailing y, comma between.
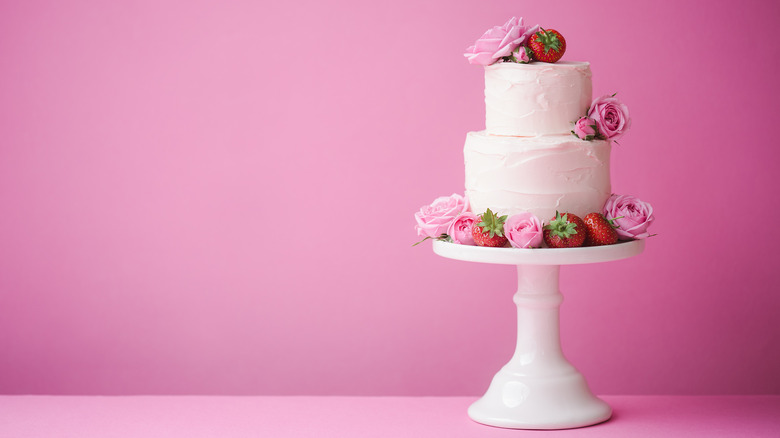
x: 539, y: 388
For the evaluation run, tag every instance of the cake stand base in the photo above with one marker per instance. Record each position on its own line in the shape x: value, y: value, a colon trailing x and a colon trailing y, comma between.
x: 539, y: 388
x: 517, y: 401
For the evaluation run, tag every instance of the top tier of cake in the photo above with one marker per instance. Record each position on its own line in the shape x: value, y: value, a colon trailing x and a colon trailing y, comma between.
x: 529, y: 100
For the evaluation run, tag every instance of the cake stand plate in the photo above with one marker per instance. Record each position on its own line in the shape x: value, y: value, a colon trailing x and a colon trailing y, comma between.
x: 539, y: 388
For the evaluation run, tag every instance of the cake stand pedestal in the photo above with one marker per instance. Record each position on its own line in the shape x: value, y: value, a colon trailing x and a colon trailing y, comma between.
x: 539, y: 388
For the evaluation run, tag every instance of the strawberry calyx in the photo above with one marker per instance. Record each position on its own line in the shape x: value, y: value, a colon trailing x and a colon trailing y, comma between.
x: 492, y: 224
x: 561, y: 227
x: 548, y: 40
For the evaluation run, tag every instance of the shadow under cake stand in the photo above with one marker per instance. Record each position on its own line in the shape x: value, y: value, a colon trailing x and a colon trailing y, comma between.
x: 539, y: 388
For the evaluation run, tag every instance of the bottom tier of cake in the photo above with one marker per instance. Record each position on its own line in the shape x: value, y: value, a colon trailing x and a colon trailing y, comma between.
x: 540, y: 175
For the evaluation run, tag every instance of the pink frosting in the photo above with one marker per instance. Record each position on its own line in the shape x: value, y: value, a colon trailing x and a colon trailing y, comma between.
x: 460, y: 229
x: 524, y: 230
x: 631, y: 215
x: 585, y: 129
x: 435, y: 219
x: 611, y: 115
x: 499, y: 42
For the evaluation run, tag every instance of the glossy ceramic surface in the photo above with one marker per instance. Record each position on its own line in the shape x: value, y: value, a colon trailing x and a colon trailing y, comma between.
x: 539, y: 388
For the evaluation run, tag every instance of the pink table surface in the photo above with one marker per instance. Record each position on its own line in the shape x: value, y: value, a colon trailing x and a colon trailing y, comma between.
x: 344, y: 417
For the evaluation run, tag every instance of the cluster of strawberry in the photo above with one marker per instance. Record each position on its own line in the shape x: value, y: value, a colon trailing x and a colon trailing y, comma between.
x: 569, y: 231
x: 565, y: 230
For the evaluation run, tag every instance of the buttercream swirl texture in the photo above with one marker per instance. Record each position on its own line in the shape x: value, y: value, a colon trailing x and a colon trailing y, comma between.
x: 535, y: 99
x: 541, y: 175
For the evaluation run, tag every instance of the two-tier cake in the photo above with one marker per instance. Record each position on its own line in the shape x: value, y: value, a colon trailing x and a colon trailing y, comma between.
x: 541, y: 166
x: 527, y: 159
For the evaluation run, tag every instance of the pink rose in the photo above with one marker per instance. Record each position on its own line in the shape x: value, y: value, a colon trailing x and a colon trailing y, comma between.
x: 499, y: 42
x: 611, y: 115
x: 434, y: 220
x: 524, y: 230
x: 520, y: 55
x: 460, y: 229
x: 585, y: 128
x: 631, y: 215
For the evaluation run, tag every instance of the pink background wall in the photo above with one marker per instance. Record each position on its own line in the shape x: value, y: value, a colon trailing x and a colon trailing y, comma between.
x: 217, y: 198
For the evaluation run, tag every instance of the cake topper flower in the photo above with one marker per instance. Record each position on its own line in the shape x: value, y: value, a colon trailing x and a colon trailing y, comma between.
x: 521, y: 55
x: 499, y: 42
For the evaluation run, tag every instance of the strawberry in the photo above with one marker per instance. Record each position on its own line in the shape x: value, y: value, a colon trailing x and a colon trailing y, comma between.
x: 565, y: 231
x: 489, y: 231
x: 547, y: 45
x: 600, y: 230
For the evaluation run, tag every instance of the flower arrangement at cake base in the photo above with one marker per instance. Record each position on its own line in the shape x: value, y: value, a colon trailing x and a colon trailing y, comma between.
x: 449, y: 219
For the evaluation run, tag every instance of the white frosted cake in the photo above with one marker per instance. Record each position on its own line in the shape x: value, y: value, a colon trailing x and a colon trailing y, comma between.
x: 539, y: 174
x: 527, y: 159
x: 537, y: 98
